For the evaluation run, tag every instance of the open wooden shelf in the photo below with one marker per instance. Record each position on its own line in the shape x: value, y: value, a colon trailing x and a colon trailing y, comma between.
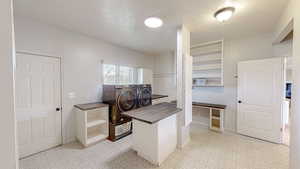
x: 214, y: 128
x: 207, y: 67
x: 215, y: 113
x: 200, y: 60
x: 212, y: 74
x: 216, y: 119
x: 208, y: 64
x: 95, y: 123
x: 208, y: 86
x: 95, y: 138
x: 215, y: 123
x: 92, y: 125
x: 207, y: 48
x: 208, y: 52
x: 96, y: 133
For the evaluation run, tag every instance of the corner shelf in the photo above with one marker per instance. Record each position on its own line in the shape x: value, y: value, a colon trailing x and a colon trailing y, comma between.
x: 216, y: 115
x: 92, y: 125
x: 208, y: 64
x: 207, y: 67
x: 216, y: 121
x: 200, y: 61
x: 95, y: 138
x: 95, y: 123
x: 216, y: 118
x: 208, y: 86
x: 208, y: 52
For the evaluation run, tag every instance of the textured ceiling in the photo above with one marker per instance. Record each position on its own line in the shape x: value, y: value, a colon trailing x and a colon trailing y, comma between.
x: 121, y: 22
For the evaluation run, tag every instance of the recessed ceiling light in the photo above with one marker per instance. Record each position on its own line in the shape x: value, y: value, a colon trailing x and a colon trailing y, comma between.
x: 153, y: 22
x: 224, y: 14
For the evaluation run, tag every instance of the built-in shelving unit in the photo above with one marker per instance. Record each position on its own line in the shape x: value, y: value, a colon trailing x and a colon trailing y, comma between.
x: 216, y: 119
x: 208, y: 64
x: 216, y: 115
x: 92, y: 125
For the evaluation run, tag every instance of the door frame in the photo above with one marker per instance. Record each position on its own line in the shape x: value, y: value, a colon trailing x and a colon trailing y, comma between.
x: 281, y: 94
x: 60, y: 89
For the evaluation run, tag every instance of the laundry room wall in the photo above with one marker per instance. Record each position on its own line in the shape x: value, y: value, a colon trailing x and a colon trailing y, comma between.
x: 259, y: 46
x: 8, y: 147
x: 290, y: 17
x: 164, y: 75
x: 81, y: 62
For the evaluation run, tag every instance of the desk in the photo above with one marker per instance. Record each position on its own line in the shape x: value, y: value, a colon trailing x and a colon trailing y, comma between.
x: 216, y: 115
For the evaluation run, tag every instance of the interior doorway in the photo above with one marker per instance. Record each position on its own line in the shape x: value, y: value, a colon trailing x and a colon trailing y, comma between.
x: 286, y: 117
x: 38, y: 103
x: 260, y: 96
x: 283, y: 47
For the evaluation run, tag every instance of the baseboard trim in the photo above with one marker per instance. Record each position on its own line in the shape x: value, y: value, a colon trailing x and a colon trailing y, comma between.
x: 205, y: 125
x: 200, y: 123
x: 69, y: 140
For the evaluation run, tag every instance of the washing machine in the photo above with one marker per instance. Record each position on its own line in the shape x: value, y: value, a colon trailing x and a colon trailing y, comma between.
x: 144, y: 95
x: 120, y: 98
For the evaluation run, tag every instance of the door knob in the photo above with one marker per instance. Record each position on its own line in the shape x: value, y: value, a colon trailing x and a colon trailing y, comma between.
x: 58, y: 109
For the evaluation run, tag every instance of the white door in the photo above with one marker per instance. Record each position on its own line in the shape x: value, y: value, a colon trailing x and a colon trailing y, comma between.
x: 260, y: 96
x: 38, y: 103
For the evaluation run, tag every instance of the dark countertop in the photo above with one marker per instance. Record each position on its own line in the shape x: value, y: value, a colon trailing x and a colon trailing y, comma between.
x: 158, y: 96
x: 217, y: 106
x: 154, y: 113
x: 90, y: 106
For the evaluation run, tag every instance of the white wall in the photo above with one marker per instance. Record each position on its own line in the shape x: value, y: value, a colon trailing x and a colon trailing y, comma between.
x: 81, y: 62
x: 284, y: 49
x: 292, y: 12
x: 7, y: 120
x: 235, y: 50
x: 284, y: 21
x: 164, y: 75
x: 246, y: 48
x: 289, y: 78
x: 295, y: 124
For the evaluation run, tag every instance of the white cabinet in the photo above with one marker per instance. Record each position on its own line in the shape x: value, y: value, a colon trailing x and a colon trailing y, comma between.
x: 91, y: 125
x: 155, y: 142
x: 216, y: 115
x: 216, y: 121
x: 208, y: 64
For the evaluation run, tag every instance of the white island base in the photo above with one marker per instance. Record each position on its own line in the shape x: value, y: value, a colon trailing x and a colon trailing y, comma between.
x: 155, y: 142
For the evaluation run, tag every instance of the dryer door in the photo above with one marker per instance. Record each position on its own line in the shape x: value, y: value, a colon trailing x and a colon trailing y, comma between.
x: 127, y: 99
x: 145, y: 96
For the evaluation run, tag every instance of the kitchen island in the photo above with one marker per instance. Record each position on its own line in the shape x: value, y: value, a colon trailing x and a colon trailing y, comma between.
x: 154, y: 131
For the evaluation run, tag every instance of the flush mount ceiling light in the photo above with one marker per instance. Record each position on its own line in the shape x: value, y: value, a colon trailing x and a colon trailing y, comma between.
x: 224, y: 14
x: 153, y: 22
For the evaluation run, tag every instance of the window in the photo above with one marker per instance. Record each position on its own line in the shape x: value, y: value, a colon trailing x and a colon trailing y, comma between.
x: 115, y: 74
x: 110, y: 74
x: 126, y: 75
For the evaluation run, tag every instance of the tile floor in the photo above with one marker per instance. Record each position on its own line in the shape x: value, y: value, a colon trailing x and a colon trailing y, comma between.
x: 207, y: 150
